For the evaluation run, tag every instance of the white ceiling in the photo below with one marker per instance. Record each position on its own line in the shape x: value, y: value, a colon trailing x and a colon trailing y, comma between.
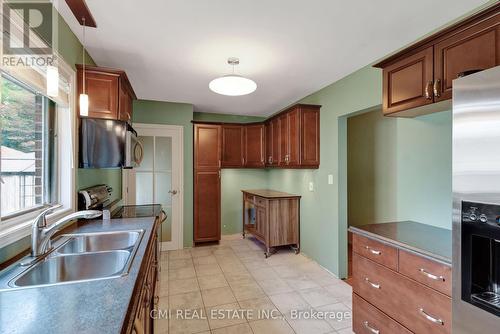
x: 291, y: 48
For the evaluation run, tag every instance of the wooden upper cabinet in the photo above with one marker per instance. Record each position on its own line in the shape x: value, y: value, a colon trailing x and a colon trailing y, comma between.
x: 293, y: 137
x: 269, y: 143
x: 110, y: 93
x: 473, y: 49
x: 232, y: 146
x: 283, y: 140
x: 310, y: 136
x: 207, y: 146
x: 407, y: 83
x: 275, y: 157
x: 423, y: 73
x: 254, y: 145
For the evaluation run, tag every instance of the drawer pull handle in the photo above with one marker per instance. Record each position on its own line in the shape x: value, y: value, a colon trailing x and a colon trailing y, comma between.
x: 431, y: 318
x: 431, y: 276
x: 371, y: 329
x: 376, y: 286
x: 373, y: 251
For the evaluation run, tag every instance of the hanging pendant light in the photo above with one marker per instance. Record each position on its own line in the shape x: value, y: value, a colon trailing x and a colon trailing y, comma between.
x: 52, y: 77
x: 84, y: 98
x: 232, y: 84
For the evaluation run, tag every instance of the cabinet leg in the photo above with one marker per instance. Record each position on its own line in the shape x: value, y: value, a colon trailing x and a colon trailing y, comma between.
x: 243, y: 234
x: 296, y: 249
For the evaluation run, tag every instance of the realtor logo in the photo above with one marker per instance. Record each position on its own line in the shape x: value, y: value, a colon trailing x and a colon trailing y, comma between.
x: 28, y: 33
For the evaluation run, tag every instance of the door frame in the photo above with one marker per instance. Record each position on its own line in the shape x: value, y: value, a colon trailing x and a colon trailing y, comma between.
x: 179, y: 208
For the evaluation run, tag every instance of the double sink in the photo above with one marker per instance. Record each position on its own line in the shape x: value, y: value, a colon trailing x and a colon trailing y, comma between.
x: 77, y: 257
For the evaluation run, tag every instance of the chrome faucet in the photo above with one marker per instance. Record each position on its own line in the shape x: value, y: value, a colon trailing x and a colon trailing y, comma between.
x: 41, y: 233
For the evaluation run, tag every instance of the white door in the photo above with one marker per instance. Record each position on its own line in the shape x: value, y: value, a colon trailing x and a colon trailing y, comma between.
x: 159, y: 178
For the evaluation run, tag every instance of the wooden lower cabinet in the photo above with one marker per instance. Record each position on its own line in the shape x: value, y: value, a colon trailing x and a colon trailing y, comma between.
x: 398, y: 299
x: 272, y: 217
x: 143, y: 323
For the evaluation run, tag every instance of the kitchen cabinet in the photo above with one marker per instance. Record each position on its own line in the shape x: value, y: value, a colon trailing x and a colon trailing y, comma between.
x: 109, y: 90
x: 254, y: 145
x: 269, y: 143
x: 395, y: 289
x: 207, y: 164
x: 422, y: 74
x: 309, y: 145
x: 147, y: 294
x: 273, y: 217
x: 232, y: 146
x: 275, y: 154
x: 283, y: 139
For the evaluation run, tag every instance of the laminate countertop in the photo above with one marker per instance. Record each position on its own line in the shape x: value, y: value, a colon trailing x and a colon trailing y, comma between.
x: 268, y: 193
x: 427, y: 240
x: 99, y: 306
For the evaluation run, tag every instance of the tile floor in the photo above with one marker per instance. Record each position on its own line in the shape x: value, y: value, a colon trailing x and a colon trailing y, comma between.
x: 234, y: 278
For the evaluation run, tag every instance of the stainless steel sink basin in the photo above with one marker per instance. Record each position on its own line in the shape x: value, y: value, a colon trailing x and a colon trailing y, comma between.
x: 96, y: 242
x: 75, y: 267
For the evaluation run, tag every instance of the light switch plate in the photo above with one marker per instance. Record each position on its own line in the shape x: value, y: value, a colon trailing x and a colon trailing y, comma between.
x: 330, y: 179
x: 311, y: 186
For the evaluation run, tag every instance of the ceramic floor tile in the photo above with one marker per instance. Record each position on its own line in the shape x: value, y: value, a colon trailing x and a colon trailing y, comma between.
x: 341, y: 290
x: 345, y: 331
x: 236, y: 329
x: 259, y: 308
x: 343, y: 315
x: 201, y: 251
x: 285, y: 302
x: 324, y: 278
x: 318, y: 297
x: 183, y: 286
x: 207, y: 269
x: 277, y: 326
x: 162, y: 287
x: 275, y: 286
x: 225, y: 316
x: 180, y: 273
x: 161, y: 326
x: 262, y: 274
x: 209, y: 259
x: 218, y: 296
x: 179, y: 254
x: 301, y: 283
x: 241, y: 277
x: 212, y: 281
x: 246, y: 291
x: 304, y: 325
x: 285, y: 271
x: 191, y: 323
x: 180, y: 263
x: 189, y: 300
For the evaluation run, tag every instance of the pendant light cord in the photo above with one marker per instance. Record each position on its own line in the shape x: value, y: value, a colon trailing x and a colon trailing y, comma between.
x: 83, y: 54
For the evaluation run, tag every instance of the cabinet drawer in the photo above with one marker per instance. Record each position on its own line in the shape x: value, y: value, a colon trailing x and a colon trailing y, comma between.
x: 415, y: 306
x: 366, y: 318
x: 430, y: 273
x: 376, y: 251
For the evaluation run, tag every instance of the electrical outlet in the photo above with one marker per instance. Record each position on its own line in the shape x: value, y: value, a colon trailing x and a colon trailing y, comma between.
x: 330, y: 179
x: 311, y: 186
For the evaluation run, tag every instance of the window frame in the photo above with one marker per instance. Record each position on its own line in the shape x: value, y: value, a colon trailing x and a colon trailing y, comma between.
x: 19, y: 226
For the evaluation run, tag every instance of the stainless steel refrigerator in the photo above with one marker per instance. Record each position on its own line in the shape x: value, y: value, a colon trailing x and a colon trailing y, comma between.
x: 476, y: 203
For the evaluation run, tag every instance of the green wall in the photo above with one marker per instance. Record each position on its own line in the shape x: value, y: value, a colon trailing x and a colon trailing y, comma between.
x: 155, y: 112
x: 213, y: 117
x: 399, y: 169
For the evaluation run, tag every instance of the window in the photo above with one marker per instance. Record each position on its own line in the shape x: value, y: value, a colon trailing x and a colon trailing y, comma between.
x: 28, y: 149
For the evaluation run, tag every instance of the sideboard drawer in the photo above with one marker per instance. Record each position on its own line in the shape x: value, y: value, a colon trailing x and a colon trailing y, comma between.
x: 260, y: 201
x: 415, y: 306
x: 368, y: 319
x: 381, y: 253
x: 428, y: 272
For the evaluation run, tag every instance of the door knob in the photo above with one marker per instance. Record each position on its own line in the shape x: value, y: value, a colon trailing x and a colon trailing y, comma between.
x: 173, y: 192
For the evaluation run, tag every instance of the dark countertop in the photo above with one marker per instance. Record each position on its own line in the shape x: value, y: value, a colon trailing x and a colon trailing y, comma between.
x: 268, y: 193
x: 137, y: 211
x: 427, y: 240
x: 85, y: 307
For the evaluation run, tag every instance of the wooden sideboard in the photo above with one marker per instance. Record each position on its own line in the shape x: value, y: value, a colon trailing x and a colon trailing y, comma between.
x: 273, y: 217
x: 397, y: 289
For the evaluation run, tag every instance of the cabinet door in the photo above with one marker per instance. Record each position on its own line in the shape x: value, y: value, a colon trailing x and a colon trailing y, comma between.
x: 283, y: 140
x: 309, y: 153
x: 476, y: 48
x: 260, y: 221
x: 207, y: 146
x: 407, y: 83
x: 269, y: 143
x: 275, y: 158
x: 232, y: 146
x: 207, y: 206
x: 124, y: 103
x: 102, y: 90
x: 293, y: 137
x: 254, y: 146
